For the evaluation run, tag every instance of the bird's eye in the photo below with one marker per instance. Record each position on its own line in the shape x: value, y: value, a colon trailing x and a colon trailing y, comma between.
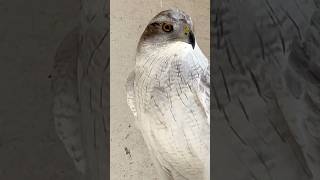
x: 167, y: 27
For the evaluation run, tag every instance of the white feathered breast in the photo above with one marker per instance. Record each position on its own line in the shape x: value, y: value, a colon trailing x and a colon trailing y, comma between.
x: 166, y: 94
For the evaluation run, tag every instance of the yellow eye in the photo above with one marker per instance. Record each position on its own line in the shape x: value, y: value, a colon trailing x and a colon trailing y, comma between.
x: 167, y: 27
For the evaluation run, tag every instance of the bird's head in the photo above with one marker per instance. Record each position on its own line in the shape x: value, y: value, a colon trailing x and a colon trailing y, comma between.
x: 169, y: 26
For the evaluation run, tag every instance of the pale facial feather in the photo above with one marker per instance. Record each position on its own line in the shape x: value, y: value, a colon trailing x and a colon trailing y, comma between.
x: 154, y: 34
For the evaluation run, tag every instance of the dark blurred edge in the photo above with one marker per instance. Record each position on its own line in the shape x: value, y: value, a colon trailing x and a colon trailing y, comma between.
x: 211, y: 89
x: 291, y: 153
x: 93, y: 75
x: 91, y: 72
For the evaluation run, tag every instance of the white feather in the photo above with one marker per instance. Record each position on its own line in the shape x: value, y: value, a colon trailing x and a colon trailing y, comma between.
x: 171, y: 103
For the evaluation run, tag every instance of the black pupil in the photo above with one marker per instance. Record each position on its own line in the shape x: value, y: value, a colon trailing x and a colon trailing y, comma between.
x: 167, y: 27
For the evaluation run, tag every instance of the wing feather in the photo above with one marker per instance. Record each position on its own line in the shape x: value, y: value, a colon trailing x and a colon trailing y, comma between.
x: 130, y: 93
x: 204, y: 92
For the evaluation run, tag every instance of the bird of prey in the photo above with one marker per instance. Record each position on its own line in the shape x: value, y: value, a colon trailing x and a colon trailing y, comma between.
x: 168, y: 93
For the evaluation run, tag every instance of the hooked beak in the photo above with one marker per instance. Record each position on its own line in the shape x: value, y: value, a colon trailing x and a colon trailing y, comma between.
x: 190, y: 36
x: 191, y: 39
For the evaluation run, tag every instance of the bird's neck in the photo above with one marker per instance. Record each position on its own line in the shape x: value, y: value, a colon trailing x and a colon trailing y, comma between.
x: 158, y: 64
x: 154, y: 51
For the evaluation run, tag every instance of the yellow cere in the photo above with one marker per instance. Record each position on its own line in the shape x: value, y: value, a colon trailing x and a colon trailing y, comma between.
x: 186, y: 29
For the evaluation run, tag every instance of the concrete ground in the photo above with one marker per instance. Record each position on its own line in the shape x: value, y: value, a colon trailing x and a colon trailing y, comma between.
x: 30, y: 32
x: 129, y: 156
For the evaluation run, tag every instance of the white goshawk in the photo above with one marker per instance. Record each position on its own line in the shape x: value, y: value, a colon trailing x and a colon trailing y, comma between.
x: 168, y: 93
